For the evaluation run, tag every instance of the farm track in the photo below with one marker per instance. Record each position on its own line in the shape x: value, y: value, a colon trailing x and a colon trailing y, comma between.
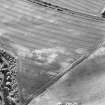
x: 92, y: 7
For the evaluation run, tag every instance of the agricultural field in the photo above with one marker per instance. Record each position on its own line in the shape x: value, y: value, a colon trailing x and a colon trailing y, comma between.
x: 47, y: 42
